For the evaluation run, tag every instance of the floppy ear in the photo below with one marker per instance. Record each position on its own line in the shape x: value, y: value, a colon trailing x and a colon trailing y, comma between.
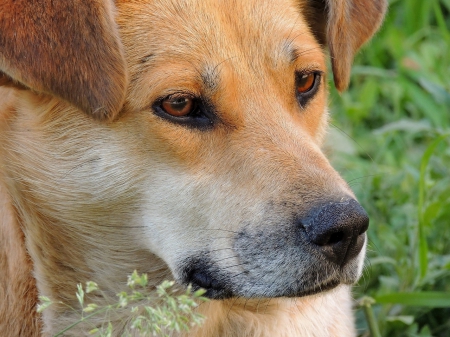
x: 69, y: 49
x: 345, y: 25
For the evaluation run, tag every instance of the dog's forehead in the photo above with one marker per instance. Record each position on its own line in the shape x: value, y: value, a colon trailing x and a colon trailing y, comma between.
x: 261, y: 29
x: 237, y: 47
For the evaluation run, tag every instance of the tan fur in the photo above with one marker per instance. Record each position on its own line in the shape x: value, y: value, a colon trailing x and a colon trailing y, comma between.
x: 279, y: 317
x: 82, y: 199
x: 18, y: 316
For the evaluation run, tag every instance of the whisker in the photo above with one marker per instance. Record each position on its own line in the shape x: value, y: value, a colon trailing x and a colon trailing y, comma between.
x: 293, y: 26
x: 219, y: 229
x: 232, y: 304
x: 226, y: 258
x: 354, y: 140
x: 238, y: 265
x: 305, y: 52
x: 289, y: 45
x: 235, y: 275
x: 220, y: 63
x: 268, y: 302
x: 362, y: 177
x: 80, y: 165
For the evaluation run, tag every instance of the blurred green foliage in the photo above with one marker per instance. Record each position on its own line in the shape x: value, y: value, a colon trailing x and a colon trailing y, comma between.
x: 391, y: 138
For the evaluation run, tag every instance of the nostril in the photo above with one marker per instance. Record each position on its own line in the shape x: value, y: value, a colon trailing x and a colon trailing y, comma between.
x: 326, y: 238
x: 364, y: 224
x: 335, y: 238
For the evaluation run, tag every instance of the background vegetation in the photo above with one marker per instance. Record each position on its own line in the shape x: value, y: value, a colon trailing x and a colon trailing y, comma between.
x: 391, y: 140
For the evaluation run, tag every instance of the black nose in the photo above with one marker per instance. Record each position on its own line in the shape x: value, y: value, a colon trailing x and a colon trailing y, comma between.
x: 337, y: 229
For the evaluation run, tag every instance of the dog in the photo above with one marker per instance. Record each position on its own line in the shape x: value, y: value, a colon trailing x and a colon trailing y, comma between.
x: 182, y: 139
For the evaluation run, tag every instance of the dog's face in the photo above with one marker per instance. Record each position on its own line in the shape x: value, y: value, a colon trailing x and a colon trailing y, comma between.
x: 236, y: 115
x: 214, y: 162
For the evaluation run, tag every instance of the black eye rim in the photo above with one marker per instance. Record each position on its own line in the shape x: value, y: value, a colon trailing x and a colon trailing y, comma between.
x: 201, y: 117
x: 303, y: 98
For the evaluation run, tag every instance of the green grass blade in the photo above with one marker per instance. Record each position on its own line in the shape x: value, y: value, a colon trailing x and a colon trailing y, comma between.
x: 423, y: 299
x: 366, y: 303
x: 441, y: 21
x: 423, y: 246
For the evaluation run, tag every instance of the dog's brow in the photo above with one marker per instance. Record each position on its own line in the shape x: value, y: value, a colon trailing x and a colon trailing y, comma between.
x: 143, y: 63
x: 294, y: 54
x: 209, y: 77
x: 210, y: 74
x: 291, y: 52
x: 287, y: 52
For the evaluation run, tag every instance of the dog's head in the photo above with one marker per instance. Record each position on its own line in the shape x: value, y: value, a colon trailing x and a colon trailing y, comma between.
x: 211, y: 157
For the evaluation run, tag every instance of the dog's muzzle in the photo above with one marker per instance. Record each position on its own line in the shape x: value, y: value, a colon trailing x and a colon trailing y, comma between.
x: 278, y: 257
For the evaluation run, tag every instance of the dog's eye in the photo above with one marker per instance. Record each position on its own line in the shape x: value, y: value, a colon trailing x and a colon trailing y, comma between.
x: 178, y: 106
x: 306, y: 86
x: 305, y: 83
x: 185, y: 109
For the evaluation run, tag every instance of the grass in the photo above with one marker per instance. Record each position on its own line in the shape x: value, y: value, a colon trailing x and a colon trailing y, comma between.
x: 159, y: 312
x: 391, y: 137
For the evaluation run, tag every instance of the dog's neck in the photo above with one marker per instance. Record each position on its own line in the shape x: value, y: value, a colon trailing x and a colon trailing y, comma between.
x: 18, y: 313
x: 281, y: 317
x: 18, y: 291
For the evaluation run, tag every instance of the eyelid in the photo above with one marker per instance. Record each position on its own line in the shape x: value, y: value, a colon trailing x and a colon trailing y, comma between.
x: 307, y: 71
x: 177, y: 93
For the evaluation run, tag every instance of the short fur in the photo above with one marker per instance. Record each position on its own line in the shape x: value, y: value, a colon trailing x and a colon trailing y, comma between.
x: 86, y: 199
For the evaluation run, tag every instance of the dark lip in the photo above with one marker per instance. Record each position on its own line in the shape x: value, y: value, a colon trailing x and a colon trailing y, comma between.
x: 317, y: 289
x: 214, y: 290
x: 200, y: 273
x: 216, y: 294
x: 223, y: 293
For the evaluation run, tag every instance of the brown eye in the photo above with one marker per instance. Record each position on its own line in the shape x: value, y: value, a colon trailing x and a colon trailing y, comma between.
x: 178, y: 106
x: 306, y: 83
x: 186, y: 109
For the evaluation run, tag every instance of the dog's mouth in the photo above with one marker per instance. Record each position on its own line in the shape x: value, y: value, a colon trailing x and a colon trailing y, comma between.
x: 220, y: 286
x: 201, y: 279
x: 216, y: 290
